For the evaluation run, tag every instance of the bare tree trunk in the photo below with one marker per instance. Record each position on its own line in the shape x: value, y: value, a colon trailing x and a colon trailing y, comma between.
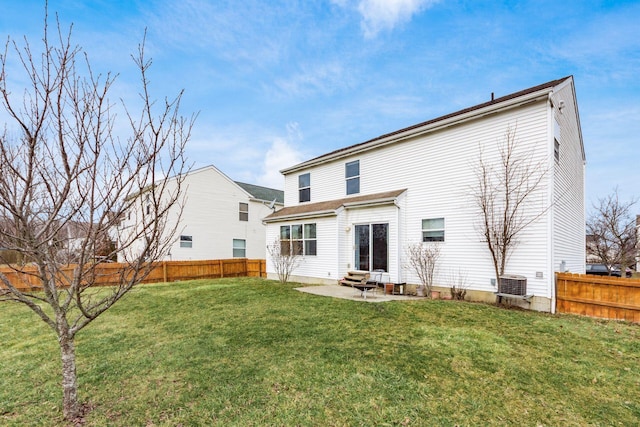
x: 70, y: 404
x: 64, y: 168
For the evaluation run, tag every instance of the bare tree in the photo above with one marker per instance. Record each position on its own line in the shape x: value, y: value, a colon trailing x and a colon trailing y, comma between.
x: 612, y: 230
x: 285, y: 258
x: 504, y: 193
x: 61, y: 164
x: 423, y: 258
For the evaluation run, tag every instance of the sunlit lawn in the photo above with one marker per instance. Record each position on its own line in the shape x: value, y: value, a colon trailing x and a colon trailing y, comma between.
x: 252, y: 352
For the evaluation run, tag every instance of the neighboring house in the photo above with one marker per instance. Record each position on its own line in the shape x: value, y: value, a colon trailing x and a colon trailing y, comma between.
x: 70, y: 239
x: 221, y: 218
x: 358, y: 208
x: 592, y: 256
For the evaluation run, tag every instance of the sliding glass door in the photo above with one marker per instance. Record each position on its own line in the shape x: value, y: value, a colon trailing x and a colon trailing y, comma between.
x: 371, y: 247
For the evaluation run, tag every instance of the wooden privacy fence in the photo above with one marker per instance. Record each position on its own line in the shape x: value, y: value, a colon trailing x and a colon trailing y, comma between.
x: 596, y: 296
x: 163, y: 271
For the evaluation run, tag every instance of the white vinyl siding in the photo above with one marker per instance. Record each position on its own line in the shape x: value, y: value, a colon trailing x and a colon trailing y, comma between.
x: 325, y: 265
x: 211, y: 209
x: 568, y: 209
x: 437, y: 171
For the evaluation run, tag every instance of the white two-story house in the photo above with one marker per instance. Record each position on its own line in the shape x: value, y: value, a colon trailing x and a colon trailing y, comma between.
x: 358, y: 208
x: 220, y: 218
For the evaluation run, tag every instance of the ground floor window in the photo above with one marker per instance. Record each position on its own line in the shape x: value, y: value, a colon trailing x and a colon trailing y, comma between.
x: 433, y: 230
x: 298, y: 239
x: 186, y: 241
x: 239, y: 248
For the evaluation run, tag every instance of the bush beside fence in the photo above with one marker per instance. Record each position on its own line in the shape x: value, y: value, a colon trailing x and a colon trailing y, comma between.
x: 602, y: 297
x: 107, y: 274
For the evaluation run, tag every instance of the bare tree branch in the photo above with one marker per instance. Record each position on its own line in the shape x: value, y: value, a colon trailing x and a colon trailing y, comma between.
x: 424, y: 259
x: 285, y: 259
x: 504, y: 193
x: 611, y: 231
x: 65, y: 170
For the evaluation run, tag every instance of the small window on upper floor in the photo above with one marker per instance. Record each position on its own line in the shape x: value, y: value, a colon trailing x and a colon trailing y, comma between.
x: 244, y: 211
x: 556, y: 150
x: 352, y: 176
x: 304, y: 187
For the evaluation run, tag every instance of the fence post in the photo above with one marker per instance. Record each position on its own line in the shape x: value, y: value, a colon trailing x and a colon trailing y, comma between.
x: 221, y: 268
x: 164, y: 272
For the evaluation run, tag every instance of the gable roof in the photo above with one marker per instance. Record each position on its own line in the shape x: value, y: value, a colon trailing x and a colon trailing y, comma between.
x: 263, y: 193
x: 510, y: 100
x: 331, y: 207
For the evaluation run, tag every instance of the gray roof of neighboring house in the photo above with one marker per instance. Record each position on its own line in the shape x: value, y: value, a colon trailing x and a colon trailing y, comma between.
x: 263, y: 193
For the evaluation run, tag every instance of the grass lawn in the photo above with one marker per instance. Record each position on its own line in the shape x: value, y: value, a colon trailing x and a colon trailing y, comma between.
x: 251, y: 352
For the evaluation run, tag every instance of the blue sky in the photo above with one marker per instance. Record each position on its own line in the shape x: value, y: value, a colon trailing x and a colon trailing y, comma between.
x: 278, y: 82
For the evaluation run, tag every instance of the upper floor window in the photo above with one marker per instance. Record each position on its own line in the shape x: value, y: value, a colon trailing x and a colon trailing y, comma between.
x: 304, y: 187
x: 433, y: 230
x: 352, y: 175
x: 556, y: 150
x: 244, y: 211
x: 186, y: 241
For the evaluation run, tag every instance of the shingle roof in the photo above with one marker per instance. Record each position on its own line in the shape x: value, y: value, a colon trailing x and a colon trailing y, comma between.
x: 514, y: 95
x: 263, y: 193
x: 330, y: 206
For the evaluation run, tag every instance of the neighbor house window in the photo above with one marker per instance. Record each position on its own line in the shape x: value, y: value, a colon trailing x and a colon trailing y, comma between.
x: 244, y: 211
x: 186, y: 241
x: 556, y: 150
x: 298, y: 239
x: 433, y: 230
x: 239, y: 248
x: 352, y: 175
x: 304, y: 187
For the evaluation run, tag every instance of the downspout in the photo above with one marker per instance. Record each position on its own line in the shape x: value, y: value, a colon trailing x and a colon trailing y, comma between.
x: 400, y: 275
x: 550, y: 200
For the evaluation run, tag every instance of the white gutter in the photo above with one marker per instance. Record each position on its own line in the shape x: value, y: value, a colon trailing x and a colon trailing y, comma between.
x: 369, y: 203
x: 320, y: 214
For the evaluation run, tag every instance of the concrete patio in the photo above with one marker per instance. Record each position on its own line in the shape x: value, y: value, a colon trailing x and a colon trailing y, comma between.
x: 346, y: 292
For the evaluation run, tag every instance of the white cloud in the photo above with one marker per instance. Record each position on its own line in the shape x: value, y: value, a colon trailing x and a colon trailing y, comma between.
x: 379, y: 15
x: 282, y: 154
